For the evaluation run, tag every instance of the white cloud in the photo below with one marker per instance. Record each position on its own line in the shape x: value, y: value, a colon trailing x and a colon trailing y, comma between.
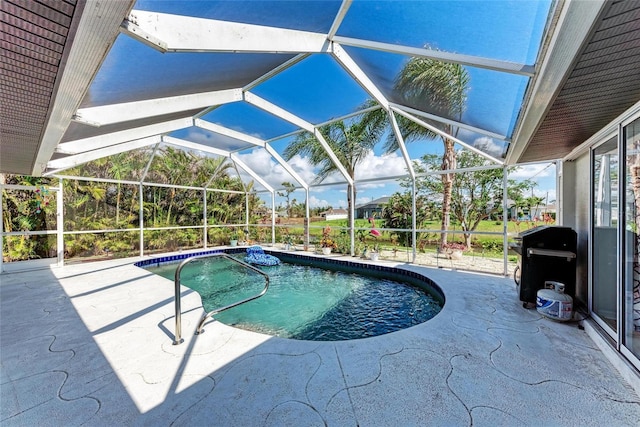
x: 533, y: 171
x: 372, y: 185
x: 261, y: 162
x: 303, y: 167
x: 489, y: 146
x: 199, y: 136
x: 542, y: 174
x: 372, y: 166
x: 314, y: 202
x: 378, y: 166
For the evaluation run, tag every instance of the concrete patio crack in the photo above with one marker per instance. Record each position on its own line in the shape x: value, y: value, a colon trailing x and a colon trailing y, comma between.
x: 346, y: 387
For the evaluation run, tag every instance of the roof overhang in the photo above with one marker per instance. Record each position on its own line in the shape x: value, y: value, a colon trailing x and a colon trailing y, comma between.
x: 49, y: 56
x: 589, y: 74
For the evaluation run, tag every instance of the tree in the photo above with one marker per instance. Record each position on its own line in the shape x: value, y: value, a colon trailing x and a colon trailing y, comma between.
x: 439, y: 88
x: 397, y: 214
x: 476, y: 194
x: 316, y: 211
x: 21, y: 212
x: 94, y: 206
x: 532, y: 203
x: 288, y: 189
x: 442, y: 88
x: 351, y: 144
x: 520, y: 202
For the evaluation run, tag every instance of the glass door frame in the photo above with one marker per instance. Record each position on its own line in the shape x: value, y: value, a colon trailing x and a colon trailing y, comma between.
x: 614, y: 334
x: 622, y: 329
x: 615, y: 130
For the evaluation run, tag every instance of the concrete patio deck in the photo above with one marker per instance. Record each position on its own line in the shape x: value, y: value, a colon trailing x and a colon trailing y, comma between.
x: 91, y: 344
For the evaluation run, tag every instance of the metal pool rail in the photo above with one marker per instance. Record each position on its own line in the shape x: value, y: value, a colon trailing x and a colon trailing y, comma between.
x: 178, y: 335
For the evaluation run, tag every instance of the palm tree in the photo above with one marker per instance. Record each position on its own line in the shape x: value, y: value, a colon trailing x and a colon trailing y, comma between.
x: 351, y: 144
x: 533, y: 203
x: 439, y: 88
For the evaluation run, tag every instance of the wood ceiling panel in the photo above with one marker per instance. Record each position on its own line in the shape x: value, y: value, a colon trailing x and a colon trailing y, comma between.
x: 27, y: 62
x: 17, y: 68
x: 56, y: 11
x: 32, y: 38
x: 24, y: 14
x: 25, y: 45
x: 621, y: 7
x: 21, y: 50
x: 14, y: 21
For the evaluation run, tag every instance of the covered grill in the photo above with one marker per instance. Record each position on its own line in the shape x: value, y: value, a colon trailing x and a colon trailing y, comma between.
x: 546, y: 253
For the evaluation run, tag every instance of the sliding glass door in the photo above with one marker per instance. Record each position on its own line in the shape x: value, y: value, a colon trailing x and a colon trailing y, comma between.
x: 605, y: 170
x: 631, y: 265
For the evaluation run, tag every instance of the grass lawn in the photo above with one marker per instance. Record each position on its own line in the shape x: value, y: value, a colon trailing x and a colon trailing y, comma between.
x: 489, y: 245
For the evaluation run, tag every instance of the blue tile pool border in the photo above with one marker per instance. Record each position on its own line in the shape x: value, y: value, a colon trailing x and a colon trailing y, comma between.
x: 156, y: 262
x: 353, y: 266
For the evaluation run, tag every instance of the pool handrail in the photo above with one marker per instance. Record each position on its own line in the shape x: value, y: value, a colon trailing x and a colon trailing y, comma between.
x: 178, y: 332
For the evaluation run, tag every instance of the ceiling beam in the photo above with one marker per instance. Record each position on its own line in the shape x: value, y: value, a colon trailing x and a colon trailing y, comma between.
x: 401, y: 144
x: 450, y: 122
x: 277, y: 70
x: 106, y: 140
x: 267, y: 106
x: 250, y: 171
x: 228, y: 132
x: 455, y: 58
x: 194, y: 146
x: 62, y: 163
x: 446, y: 135
x: 286, y: 166
x: 342, y: 12
x: 177, y: 33
x: 332, y: 155
x: 360, y: 76
x: 252, y: 140
x: 123, y: 112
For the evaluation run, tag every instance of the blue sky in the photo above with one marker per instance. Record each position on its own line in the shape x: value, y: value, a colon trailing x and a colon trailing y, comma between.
x: 318, y: 88
x: 455, y: 26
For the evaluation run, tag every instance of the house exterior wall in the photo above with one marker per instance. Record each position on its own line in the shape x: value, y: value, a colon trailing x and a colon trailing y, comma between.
x: 575, y: 214
x: 603, y: 271
x: 329, y: 217
x: 368, y: 212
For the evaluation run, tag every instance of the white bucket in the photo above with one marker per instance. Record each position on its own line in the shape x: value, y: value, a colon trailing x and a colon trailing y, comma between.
x: 553, y: 303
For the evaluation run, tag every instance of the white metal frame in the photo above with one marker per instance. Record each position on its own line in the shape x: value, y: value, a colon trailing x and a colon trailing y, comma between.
x: 175, y: 33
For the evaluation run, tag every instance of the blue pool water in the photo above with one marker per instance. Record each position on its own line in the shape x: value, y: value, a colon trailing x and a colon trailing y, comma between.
x: 308, y: 303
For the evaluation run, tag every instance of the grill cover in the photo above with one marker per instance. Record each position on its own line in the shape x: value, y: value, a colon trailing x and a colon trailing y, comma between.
x: 546, y: 253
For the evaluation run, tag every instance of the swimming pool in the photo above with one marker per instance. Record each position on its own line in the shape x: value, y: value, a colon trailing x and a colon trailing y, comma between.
x: 339, y: 301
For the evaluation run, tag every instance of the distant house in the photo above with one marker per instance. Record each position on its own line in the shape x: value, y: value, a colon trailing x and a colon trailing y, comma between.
x: 367, y: 210
x: 265, y: 214
x: 534, y: 213
x: 538, y: 212
x: 334, y: 214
